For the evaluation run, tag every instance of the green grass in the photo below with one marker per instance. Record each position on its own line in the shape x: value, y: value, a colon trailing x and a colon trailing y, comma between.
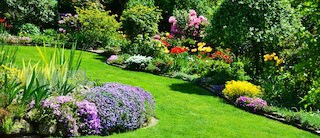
x: 183, y: 109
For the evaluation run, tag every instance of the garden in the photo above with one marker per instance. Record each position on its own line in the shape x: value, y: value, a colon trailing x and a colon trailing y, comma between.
x: 159, y: 68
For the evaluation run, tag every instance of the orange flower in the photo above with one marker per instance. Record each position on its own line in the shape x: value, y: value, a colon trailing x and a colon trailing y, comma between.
x: 165, y: 43
x: 219, y: 53
x: 170, y: 36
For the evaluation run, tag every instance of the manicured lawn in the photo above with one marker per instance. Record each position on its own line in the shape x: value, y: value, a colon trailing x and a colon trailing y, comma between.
x: 184, y: 109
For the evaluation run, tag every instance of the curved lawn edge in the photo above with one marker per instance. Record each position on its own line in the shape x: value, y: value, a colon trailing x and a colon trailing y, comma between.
x: 183, y: 108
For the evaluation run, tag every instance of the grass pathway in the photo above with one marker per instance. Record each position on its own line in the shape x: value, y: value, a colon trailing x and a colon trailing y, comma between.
x: 183, y: 109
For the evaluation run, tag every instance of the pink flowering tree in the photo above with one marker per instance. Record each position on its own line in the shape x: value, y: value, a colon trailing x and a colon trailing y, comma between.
x: 188, y: 25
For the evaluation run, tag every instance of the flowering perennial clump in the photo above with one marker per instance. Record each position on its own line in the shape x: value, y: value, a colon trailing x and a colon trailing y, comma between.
x: 255, y: 104
x: 273, y: 57
x: 121, y: 107
x: 112, y: 58
x: 73, y: 117
x: 235, y: 89
x: 138, y: 62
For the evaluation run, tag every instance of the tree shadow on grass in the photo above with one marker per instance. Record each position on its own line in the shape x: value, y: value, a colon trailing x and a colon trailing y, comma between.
x: 101, y: 57
x: 190, y: 88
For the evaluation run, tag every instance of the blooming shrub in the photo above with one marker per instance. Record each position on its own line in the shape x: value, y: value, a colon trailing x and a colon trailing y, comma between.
x: 254, y: 104
x: 112, y: 58
x: 138, y: 62
x: 195, y: 25
x: 72, y: 117
x: 235, y: 89
x: 121, y: 107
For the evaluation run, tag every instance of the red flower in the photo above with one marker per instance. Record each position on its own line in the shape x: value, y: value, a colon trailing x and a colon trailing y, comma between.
x: 225, y: 57
x: 2, y: 20
x: 219, y: 53
x: 165, y: 43
x: 202, y: 53
x: 178, y: 50
x: 170, y: 36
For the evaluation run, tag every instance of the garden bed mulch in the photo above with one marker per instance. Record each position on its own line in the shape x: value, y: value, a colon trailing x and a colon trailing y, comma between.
x: 271, y: 115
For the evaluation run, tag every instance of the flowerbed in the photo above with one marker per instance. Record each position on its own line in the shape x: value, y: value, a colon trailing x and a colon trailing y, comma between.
x: 59, y: 101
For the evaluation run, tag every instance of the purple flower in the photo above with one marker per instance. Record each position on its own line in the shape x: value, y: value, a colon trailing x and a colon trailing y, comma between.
x: 112, y: 58
x: 254, y: 104
x: 121, y: 107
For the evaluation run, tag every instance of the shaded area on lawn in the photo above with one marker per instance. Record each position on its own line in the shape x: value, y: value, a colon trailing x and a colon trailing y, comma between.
x: 189, y: 88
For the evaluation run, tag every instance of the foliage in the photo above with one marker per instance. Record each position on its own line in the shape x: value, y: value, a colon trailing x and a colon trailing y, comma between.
x: 137, y: 62
x: 252, y: 28
x: 312, y: 98
x: 121, y: 107
x: 29, y: 28
x: 37, y: 12
x: 235, y: 89
x: 221, y: 72
x: 252, y: 104
x: 140, y: 20
x: 143, y: 45
x: 98, y: 27
x: 132, y: 3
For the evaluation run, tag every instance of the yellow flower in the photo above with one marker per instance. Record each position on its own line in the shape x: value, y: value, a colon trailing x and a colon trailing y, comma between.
x: 208, y: 49
x: 273, y: 54
x: 279, y: 61
x: 167, y: 34
x: 201, y: 44
x: 166, y: 50
x: 159, y: 45
x: 194, y: 50
x: 200, y: 49
x: 266, y: 57
x: 163, y: 38
x: 235, y: 89
x: 276, y: 58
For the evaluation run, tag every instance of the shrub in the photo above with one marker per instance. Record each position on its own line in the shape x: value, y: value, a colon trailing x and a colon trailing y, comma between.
x: 138, y: 62
x: 132, y: 3
x: 71, y: 117
x: 255, y: 27
x: 252, y: 104
x: 235, y: 89
x: 37, y: 12
x: 98, y: 27
x: 188, y: 25
x: 221, y: 72
x: 121, y: 107
x: 29, y: 28
x: 312, y: 98
x: 140, y: 20
x: 143, y: 45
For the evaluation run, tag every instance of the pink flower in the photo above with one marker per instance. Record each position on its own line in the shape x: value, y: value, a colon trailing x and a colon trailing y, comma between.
x: 172, y: 20
x: 197, y: 21
x: 173, y: 29
x: 192, y: 13
x: 156, y: 37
